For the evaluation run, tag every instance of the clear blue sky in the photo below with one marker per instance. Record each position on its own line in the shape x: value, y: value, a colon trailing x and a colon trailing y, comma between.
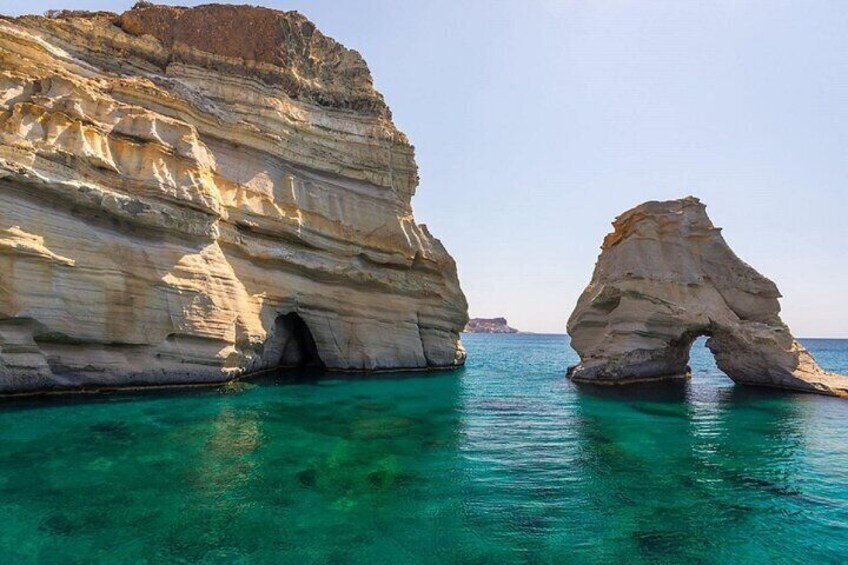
x: 536, y: 122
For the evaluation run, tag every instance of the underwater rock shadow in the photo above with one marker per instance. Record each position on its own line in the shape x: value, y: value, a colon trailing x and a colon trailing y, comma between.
x: 320, y: 377
x: 674, y: 391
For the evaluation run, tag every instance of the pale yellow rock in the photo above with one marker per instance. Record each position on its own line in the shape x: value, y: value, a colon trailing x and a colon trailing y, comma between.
x: 166, y: 202
x: 666, y: 276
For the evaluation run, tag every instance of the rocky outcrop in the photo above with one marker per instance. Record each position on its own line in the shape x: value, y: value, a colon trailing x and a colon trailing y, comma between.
x: 189, y: 195
x: 489, y: 326
x: 666, y: 276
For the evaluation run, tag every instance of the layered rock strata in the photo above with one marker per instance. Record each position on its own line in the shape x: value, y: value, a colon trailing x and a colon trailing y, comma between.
x: 189, y: 195
x: 666, y: 276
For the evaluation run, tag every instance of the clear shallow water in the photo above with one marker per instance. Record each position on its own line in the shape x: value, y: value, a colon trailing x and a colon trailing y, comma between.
x: 503, y: 462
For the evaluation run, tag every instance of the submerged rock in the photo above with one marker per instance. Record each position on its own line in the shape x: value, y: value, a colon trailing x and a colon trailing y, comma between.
x: 666, y: 276
x: 489, y: 326
x: 190, y: 194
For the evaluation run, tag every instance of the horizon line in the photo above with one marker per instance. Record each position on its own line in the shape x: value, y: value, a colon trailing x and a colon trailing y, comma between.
x: 566, y: 334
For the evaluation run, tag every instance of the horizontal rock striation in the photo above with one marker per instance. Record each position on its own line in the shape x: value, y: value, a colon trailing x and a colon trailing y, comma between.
x: 189, y: 195
x: 666, y: 276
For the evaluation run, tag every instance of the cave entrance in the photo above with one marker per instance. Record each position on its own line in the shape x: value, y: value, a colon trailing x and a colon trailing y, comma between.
x: 290, y: 345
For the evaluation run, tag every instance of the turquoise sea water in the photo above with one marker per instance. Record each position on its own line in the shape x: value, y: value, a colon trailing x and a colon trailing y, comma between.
x: 503, y: 462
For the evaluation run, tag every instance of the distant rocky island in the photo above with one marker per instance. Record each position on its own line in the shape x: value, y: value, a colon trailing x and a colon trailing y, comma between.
x: 489, y: 326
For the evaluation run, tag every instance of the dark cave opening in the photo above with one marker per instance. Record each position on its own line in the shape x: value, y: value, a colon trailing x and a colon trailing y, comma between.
x: 290, y: 345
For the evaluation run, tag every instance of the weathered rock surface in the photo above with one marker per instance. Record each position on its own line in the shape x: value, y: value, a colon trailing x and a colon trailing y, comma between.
x: 188, y: 195
x: 489, y: 326
x: 666, y: 276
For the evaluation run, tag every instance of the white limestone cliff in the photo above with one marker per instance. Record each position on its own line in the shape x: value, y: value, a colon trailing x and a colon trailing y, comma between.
x: 185, y: 193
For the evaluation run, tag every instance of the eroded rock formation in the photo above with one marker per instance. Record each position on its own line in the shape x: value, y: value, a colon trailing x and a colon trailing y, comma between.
x: 188, y: 195
x: 666, y: 276
x: 489, y: 326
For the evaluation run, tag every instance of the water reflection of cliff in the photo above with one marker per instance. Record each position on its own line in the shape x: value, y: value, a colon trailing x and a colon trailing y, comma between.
x: 225, y: 462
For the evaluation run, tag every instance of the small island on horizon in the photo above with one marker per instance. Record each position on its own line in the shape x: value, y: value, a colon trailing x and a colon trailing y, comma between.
x: 489, y: 326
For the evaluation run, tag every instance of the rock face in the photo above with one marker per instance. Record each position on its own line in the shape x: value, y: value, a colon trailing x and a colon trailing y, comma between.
x: 489, y: 326
x: 188, y: 195
x: 666, y: 276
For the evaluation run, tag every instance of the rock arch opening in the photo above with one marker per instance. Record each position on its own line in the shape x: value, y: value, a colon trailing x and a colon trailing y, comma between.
x: 723, y: 352
x: 290, y: 345
x: 694, y: 352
